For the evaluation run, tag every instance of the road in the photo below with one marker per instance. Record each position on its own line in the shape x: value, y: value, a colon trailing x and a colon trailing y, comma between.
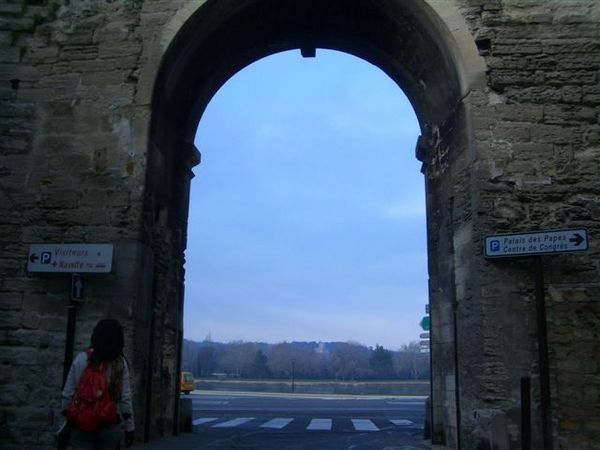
x: 224, y: 421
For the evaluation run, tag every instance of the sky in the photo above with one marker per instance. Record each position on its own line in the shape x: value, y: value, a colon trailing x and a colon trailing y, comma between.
x: 307, y: 215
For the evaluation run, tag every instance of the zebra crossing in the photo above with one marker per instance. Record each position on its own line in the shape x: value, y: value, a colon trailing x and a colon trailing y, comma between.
x: 311, y: 424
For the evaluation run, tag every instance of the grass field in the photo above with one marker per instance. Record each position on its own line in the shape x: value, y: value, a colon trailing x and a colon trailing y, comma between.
x: 401, y: 387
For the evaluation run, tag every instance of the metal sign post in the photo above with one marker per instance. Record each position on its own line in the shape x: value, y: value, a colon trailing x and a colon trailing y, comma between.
x: 75, y: 299
x: 536, y: 244
x: 540, y: 306
x: 70, y: 340
x: 525, y: 413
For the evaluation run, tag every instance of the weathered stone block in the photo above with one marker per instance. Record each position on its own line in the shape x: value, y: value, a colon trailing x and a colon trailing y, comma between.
x: 11, y: 301
x: 574, y: 14
x: 568, y: 114
x: 513, y: 131
x: 516, y: 47
x: 555, y: 134
x: 104, y: 78
x: 535, y: 94
x: 572, y: 94
x: 53, y: 324
x: 500, y: 78
x: 521, y: 113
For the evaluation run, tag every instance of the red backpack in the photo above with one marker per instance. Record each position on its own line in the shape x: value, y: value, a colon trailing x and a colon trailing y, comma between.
x: 92, y: 408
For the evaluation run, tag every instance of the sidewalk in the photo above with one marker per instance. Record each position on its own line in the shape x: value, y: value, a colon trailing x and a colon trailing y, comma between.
x: 436, y: 447
x: 189, y: 441
x: 186, y: 441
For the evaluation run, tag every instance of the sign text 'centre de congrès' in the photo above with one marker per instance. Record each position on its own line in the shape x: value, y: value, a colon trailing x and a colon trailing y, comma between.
x: 536, y: 243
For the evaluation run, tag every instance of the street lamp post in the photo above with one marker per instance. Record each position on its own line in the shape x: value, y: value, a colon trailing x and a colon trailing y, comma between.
x: 293, y: 373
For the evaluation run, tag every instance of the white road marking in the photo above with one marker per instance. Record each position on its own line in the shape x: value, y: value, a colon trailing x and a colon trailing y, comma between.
x: 364, y: 425
x: 319, y: 425
x: 402, y: 422
x: 233, y: 423
x: 277, y: 423
x: 314, y: 425
x: 203, y: 420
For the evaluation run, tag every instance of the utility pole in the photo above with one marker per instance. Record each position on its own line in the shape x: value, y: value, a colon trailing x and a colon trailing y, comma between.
x: 293, y: 373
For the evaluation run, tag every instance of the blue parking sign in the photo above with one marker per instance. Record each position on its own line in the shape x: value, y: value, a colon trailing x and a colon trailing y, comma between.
x: 46, y: 258
x: 494, y: 245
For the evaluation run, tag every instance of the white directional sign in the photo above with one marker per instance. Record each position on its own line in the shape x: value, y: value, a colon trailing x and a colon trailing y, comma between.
x: 536, y: 243
x: 70, y: 258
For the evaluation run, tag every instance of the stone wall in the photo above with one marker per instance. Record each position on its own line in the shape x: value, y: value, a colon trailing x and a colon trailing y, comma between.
x: 72, y: 170
x: 520, y: 151
x: 538, y: 135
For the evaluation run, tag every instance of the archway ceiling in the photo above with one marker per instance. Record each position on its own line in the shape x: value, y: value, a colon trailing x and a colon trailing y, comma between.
x: 224, y: 36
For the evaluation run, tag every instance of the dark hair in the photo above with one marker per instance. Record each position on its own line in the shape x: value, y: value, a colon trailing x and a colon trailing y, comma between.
x: 107, y: 341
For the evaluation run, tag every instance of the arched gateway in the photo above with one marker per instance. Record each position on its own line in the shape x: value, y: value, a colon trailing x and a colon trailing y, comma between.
x: 407, y: 40
x: 102, y: 102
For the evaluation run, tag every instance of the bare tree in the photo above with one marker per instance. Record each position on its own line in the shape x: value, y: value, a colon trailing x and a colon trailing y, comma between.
x: 238, y: 358
x: 410, y: 363
x: 206, y: 361
x: 304, y: 360
x: 281, y: 359
x: 350, y: 361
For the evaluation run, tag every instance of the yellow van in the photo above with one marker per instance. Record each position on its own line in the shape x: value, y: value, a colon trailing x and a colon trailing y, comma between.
x: 187, y: 382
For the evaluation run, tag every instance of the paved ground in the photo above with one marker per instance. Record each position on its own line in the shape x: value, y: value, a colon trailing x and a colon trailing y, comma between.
x: 191, y: 442
x: 228, y: 421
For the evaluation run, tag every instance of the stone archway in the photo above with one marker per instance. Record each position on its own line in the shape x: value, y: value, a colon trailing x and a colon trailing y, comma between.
x: 408, y: 41
x: 99, y: 104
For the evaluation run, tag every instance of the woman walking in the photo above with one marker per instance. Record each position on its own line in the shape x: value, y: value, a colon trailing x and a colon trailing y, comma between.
x: 96, y: 398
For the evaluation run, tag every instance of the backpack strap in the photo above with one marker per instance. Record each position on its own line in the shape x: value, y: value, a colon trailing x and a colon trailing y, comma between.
x: 89, y: 352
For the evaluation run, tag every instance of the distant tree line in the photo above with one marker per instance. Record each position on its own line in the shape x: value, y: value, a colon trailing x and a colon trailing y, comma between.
x: 305, y: 360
